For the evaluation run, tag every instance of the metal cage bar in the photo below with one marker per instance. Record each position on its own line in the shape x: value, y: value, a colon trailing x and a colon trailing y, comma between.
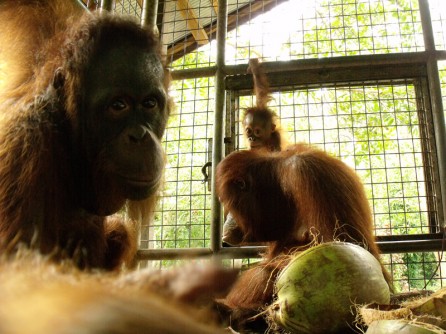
x: 107, y: 5
x: 436, y: 99
x: 219, y: 118
x: 149, y: 13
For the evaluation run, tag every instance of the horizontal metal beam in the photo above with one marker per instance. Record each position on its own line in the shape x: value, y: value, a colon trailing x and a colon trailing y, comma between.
x: 194, y: 73
x: 408, y: 246
x: 317, y: 63
x: 387, y: 245
x: 172, y: 253
x: 339, y: 76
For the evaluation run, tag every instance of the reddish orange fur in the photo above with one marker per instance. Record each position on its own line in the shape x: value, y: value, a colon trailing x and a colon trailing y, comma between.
x: 27, y: 39
x: 261, y: 85
x: 260, y: 122
x: 40, y: 123
x: 289, y: 199
x: 40, y: 297
x: 261, y: 132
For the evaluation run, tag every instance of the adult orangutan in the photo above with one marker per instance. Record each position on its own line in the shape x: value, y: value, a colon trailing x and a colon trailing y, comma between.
x: 289, y: 199
x: 83, y: 106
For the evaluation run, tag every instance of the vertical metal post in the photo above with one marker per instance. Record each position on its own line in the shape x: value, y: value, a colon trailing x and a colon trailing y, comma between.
x: 106, y: 5
x: 149, y: 13
x: 148, y: 19
x: 80, y: 4
x: 436, y: 100
x: 219, y: 116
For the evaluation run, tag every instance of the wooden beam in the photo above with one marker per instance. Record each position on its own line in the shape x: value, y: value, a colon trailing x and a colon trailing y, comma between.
x: 192, y: 22
x: 215, y: 6
x: 240, y: 16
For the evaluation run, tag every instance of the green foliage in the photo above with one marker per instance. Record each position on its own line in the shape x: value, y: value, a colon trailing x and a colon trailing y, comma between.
x: 414, y: 271
x: 420, y: 267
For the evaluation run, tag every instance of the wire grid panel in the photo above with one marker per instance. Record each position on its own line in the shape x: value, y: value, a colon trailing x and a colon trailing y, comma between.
x: 379, y: 130
x: 438, y: 16
x: 442, y: 74
x: 322, y: 28
x: 416, y: 271
x: 285, y: 30
x: 128, y: 7
x: 187, y: 29
x: 183, y: 215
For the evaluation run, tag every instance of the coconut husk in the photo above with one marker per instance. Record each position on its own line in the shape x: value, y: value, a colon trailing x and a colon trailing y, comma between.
x: 374, y: 312
x: 433, y: 305
x: 428, y: 310
x: 402, y: 327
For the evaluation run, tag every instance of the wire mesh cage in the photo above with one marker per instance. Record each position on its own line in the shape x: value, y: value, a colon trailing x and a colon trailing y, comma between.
x: 356, y: 78
x: 184, y: 209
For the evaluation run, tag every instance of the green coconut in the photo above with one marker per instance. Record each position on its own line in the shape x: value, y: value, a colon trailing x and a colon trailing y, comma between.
x: 402, y: 327
x: 317, y: 292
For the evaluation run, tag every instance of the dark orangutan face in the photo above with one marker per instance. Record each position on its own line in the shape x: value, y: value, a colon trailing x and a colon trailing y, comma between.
x: 125, y: 117
x: 258, y: 128
x: 249, y: 190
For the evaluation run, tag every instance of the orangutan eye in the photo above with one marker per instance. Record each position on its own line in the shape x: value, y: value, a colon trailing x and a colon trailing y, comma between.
x: 150, y: 103
x: 257, y: 132
x: 118, y: 107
